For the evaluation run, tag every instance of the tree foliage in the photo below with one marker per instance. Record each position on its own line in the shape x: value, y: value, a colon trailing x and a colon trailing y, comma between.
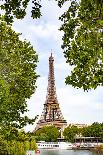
x: 17, y: 9
x: 18, y: 62
x: 83, y: 43
x: 94, y: 130
x: 70, y: 132
x: 47, y: 133
x: 18, y: 145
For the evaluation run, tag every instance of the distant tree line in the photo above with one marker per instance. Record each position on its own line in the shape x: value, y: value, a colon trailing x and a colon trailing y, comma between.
x: 94, y: 130
x: 51, y: 133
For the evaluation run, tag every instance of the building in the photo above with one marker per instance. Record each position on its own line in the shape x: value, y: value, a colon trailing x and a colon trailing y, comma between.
x: 51, y: 114
x: 79, y: 125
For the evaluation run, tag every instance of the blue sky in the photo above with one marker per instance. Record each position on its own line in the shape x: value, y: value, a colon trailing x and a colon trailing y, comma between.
x: 77, y: 106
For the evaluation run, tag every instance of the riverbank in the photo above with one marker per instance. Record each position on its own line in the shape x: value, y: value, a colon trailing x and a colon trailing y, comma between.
x: 98, y: 149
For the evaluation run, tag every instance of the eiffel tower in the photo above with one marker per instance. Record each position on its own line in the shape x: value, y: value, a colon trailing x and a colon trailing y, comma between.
x: 51, y: 114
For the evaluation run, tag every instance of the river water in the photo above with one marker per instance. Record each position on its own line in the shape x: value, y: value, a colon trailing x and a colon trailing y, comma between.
x: 66, y: 152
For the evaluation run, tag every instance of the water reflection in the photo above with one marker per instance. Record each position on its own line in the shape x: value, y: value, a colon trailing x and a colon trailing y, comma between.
x: 66, y: 152
x: 49, y: 152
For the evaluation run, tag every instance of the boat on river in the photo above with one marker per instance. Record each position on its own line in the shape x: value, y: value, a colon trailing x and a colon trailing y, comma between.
x: 84, y: 146
x: 54, y: 145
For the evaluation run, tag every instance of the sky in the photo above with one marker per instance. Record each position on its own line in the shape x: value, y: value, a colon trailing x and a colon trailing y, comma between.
x: 76, y: 105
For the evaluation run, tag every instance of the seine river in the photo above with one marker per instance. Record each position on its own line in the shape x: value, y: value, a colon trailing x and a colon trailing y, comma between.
x: 66, y: 152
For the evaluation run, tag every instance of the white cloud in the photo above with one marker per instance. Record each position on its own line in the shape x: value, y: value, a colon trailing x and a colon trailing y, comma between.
x: 51, y: 11
x: 80, y: 107
x: 45, y: 28
x: 98, y: 106
x: 46, y: 31
x: 61, y: 66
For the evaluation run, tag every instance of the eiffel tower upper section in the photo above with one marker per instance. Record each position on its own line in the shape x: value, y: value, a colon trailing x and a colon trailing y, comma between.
x: 51, y: 114
x: 51, y: 90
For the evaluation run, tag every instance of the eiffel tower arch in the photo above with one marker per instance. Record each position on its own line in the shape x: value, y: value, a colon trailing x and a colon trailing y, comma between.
x: 51, y: 114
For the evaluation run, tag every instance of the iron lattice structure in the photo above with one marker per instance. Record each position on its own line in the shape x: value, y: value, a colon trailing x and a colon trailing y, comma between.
x: 51, y: 114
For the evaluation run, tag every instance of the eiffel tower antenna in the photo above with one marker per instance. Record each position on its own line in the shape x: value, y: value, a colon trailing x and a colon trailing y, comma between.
x: 52, y: 52
x: 51, y: 114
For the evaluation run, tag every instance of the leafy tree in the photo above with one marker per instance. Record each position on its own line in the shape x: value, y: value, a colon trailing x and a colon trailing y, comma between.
x: 86, y: 131
x: 18, y: 9
x: 3, y: 144
x: 83, y: 43
x: 47, y: 133
x: 94, y: 130
x: 70, y: 132
x: 16, y: 142
x: 18, y: 62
